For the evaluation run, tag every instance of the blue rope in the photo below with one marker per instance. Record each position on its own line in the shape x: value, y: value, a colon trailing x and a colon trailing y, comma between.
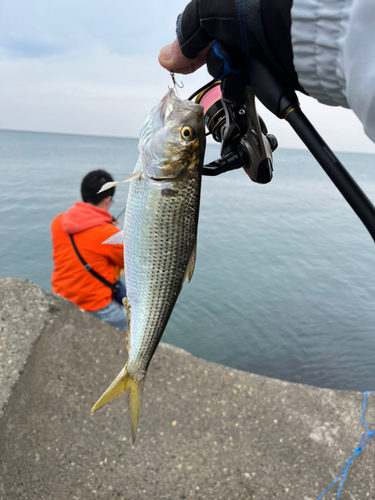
x: 357, y: 451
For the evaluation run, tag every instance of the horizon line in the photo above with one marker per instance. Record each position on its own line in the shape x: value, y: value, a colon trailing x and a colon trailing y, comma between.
x: 302, y: 148
x: 65, y: 133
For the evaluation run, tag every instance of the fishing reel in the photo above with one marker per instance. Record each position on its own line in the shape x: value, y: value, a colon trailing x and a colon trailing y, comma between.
x: 230, y: 116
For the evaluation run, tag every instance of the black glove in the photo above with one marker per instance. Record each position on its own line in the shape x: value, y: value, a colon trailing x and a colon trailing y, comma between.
x: 248, y: 29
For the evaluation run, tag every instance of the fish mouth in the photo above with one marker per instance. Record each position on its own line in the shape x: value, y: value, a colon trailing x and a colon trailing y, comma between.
x: 160, y: 179
x: 167, y: 177
x: 163, y: 179
x: 167, y: 172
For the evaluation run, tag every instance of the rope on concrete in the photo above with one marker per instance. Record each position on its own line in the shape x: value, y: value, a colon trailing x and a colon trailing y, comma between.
x: 357, y: 451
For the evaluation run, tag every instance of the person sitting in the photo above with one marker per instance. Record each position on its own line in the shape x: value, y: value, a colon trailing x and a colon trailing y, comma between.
x: 86, y: 225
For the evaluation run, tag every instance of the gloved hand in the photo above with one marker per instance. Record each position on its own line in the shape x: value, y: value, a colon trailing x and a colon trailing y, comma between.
x: 246, y: 28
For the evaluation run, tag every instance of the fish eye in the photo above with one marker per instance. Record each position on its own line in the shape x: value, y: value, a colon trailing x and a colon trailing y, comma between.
x: 187, y: 133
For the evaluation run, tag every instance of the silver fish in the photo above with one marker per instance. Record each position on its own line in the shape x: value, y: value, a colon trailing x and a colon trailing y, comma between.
x: 160, y: 234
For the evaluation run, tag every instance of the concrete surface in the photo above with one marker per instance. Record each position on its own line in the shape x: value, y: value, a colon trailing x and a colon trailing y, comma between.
x: 206, y: 431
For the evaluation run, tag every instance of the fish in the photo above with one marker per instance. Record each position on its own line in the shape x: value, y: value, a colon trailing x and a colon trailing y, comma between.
x: 159, y: 235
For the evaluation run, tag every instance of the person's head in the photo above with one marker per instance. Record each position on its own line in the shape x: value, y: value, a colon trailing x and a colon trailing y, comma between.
x: 91, y: 184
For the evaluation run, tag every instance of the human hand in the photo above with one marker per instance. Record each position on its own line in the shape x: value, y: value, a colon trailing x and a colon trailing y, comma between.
x: 198, y: 26
x: 172, y: 59
x: 245, y: 31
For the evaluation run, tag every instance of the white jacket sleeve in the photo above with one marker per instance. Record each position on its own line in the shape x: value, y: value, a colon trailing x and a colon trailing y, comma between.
x: 334, y: 54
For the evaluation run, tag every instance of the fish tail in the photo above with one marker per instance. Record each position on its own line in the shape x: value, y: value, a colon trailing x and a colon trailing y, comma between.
x: 121, y: 384
x: 134, y: 400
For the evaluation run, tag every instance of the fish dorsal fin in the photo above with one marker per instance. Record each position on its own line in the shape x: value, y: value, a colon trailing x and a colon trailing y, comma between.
x: 109, y: 185
x: 191, y: 264
x: 115, y: 239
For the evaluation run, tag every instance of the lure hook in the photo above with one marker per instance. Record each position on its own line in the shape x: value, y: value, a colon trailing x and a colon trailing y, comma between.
x: 181, y: 86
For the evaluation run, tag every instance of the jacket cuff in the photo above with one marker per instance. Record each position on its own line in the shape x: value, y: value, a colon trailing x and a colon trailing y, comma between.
x: 317, y: 30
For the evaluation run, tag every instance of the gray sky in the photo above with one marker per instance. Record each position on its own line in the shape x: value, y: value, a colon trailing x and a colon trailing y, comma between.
x: 90, y: 67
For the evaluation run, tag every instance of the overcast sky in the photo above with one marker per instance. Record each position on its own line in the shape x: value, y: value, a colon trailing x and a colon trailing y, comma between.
x: 90, y: 67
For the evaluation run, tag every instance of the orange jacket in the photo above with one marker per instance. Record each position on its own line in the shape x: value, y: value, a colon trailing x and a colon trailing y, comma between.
x: 90, y: 226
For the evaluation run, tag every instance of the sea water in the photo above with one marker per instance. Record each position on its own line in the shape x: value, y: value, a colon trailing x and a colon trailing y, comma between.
x: 284, y: 283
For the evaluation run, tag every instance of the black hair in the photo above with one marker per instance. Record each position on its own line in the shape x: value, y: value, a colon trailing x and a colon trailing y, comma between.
x: 91, y: 184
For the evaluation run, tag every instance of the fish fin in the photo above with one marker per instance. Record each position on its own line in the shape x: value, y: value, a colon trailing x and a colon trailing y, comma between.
x: 134, y: 400
x: 191, y: 264
x: 121, y: 384
x: 115, y: 239
x: 118, y: 387
x: 109, y: 185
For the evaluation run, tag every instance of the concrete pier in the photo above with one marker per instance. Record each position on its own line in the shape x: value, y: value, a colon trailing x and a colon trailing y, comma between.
x: 206, y: 431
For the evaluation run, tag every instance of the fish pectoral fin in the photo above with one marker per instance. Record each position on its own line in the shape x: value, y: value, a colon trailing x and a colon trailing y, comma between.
x: 191, y: 263
x: 121, y: 384
x: 109, y: 185
x: 115, y: 239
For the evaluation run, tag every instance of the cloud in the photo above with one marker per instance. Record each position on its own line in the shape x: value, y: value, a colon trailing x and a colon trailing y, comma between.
x: 90, y: 67
x: 124, y: 27
x: 88, y: 92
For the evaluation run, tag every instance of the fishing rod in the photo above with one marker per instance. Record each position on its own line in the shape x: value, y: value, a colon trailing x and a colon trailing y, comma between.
x: 231, y: 118
x: 119, y: 215
x: 114, y: 219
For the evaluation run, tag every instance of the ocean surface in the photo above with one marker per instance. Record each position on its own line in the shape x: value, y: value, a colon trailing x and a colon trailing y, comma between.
x: 284, y: 283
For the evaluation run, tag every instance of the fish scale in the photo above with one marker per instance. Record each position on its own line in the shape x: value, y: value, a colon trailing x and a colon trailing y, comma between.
x: 159, y: 263
x: 159, y: 236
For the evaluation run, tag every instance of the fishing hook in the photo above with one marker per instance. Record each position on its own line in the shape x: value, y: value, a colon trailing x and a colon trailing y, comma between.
x: 181, y: 86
